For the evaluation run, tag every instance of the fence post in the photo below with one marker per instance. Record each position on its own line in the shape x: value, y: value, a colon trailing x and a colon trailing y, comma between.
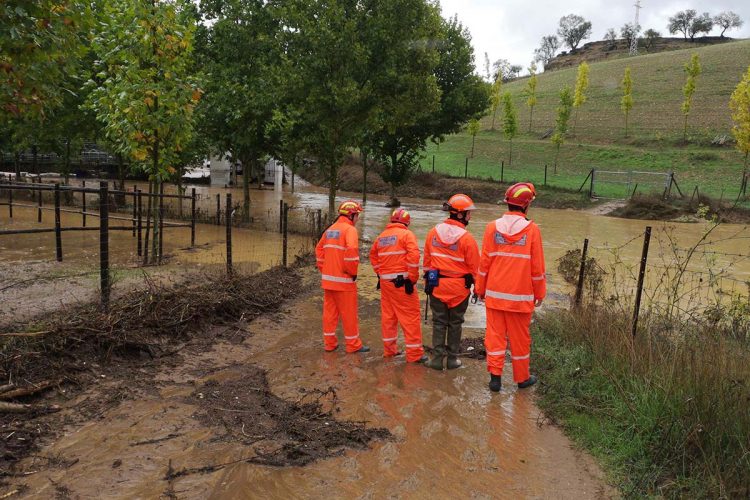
x: 192, y: 218
x: 39, y: 209
x: 286, y: 232
x: 281, y: 216
x: 228, y: 217
x: 545, y: 174
x: 433, y: 164
x: 139, y: 228
x: 466, y: 169
x: 591, y: 186
x: 83, y: 203
x: 695, y: 191
x: 218, y: 209
x: 135, y: 208
x: 161, y: 220
x: 104, y: 244
x: 58, y: 232
x: 582, y: 273
x: 641, y: 276
x: 502, y: 171
x: 319, y: 230
x: 10, y: 203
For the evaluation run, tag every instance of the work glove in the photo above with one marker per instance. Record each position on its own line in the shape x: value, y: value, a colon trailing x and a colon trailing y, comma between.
x: 377, y: 287
x: 409, y: 287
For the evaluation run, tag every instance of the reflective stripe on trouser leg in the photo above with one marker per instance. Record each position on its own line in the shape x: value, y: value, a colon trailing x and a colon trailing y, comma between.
x: 330, y: 320
x: 520, y: 343
x: 409, y: 314
x: 495, y: 341
x: 388, y: 320
x: 346, y: 301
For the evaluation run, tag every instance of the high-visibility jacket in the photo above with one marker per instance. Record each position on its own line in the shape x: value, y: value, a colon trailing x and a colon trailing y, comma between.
x: 396, y: 253
x: 511, y: 271
x: 337, y: 255
x: 451, y: 250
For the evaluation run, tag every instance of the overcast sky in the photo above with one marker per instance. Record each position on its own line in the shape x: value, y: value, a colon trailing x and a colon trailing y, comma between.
x: 512, y: 29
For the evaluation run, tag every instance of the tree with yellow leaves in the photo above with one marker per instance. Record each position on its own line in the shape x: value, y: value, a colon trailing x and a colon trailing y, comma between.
x: 582, y: 85
x: 495, y: 97
x: 739, y: 103
x: 626, y: 103
x: 692, y: 70
x: 530, y: 93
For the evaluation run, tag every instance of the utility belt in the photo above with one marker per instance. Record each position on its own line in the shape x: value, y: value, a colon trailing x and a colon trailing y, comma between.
x: 433, y: 277
x: 400, y: 281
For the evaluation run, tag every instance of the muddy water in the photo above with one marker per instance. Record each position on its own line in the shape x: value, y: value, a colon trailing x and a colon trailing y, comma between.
x: 452, y: 438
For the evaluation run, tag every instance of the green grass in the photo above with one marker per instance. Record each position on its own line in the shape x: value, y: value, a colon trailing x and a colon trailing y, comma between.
x: 598, y: 140
x: 665, y: 417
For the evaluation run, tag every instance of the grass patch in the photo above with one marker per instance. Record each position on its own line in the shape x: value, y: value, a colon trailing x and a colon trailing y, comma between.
x: 665, y: 413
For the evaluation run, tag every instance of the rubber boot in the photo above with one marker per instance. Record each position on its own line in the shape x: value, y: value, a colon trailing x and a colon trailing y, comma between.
x: 454, y: 347
x: 364, y: 348
x: 528, y: 382
x: 453, y: 362
x: 495, y: 383
x: 438, y: 358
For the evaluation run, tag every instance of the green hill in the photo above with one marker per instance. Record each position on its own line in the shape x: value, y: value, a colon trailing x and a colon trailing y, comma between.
x: 656, y: 121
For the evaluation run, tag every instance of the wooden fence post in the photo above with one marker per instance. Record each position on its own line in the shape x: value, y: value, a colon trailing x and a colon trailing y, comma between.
x: 466, y: 169
x: 582, y: 273
x: 139, y: 224
x: 104, y: 244
x: 218, y: 209
x: 192, y: 219
x: 161, y: 220
x: 10, y: 203
x: 39, y: 209
x: 641, y: 276
x: 286, y: 232
x: 228, y: 217
x: 545, y: 174
x: 135, y: 208
x: 58, y: 232
x: 502, y: 171
x: 83, y: 204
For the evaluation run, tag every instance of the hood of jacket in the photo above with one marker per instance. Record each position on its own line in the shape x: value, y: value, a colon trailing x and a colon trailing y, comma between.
x: 512, y: 226
x: 450, y: 231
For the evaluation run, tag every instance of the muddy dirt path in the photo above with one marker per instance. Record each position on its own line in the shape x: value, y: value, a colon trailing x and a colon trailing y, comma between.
x: 451, y: 436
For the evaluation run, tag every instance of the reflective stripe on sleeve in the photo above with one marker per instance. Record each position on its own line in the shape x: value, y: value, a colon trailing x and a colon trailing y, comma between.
x: 457, y: 259
x: 413, y: 346
x: 351, y: 338
x: 351, y: 259
x: 509, y: 296
x: 398, y: 252
x: 413, y: 265
x: 537, y: 278
x: 510, y: 254
x: 337, y: 247
x: 482, y: 274
x: 336, y: 279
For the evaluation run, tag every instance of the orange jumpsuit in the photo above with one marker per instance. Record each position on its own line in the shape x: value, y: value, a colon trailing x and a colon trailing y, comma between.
x: 396, y: 253
x: 452, y: 250
x: 511, y: 278
x: 337, y: 255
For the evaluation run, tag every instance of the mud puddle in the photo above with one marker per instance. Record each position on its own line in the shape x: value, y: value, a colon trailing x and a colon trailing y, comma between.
x: 451, y: 437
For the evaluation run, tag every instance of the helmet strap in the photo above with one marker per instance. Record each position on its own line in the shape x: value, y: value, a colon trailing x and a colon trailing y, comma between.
x: 517, y: 208
x: 459, y: 216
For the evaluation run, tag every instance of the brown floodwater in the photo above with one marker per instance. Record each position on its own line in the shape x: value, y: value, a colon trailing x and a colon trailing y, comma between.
x: 452, y: 437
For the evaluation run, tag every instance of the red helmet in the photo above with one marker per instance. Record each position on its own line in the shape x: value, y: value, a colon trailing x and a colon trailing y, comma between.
x: 459, y: 203
x: 520, y: 194
x: 350, y: 207
x: 401, y: 215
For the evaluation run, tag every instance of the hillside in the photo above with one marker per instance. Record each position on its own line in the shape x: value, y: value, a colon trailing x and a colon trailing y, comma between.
x: 597, y: 140
x: 602, y: 50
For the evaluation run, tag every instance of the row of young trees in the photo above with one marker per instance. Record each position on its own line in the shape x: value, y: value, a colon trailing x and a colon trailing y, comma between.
x: 164, y: 82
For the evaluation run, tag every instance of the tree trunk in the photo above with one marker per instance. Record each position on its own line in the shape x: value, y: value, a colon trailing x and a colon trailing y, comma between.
x: 510, y: 152
x: 473, y: 139
x: 531, y: 117
x: 626, y: 125
x: 247, y: 167
x: 557, y: 155
x: 684, y: 130
x: 148, y: 223
x: 155, y: 205
x: 494, y: 113
x: 180, y: 191
x: 120, y: 198
x: 34, y: 159
x: 364, y: 177
x: 17, y: 165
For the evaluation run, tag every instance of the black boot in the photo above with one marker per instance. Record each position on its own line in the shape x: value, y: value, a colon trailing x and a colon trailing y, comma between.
x: 453, y: 362
x: 495, y: 383
x: 528, y: 382
x: 438, y: 358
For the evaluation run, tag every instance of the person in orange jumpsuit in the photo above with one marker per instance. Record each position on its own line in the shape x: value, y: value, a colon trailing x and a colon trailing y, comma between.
x: 451, y: 261
x: 337, y: 255
x: 512, y: 283
x: 395, y: 258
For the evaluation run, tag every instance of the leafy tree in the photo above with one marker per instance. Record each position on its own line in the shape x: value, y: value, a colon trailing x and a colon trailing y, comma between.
x: 611, y: 38
x: 629, y: 31
x: 561, y: 123
x: 505, y: 70
x: 689, y: 23
x: 651, y: 35
x: 495, y: 98
x: 530, y: 93
x: 510, y: 123
x: 626, y: 102
x: 573, y: 29
x: 240, y: 52
x: 739, y: 103
x: 582, y: 85
x: 547, y: 49
x: 473, y: 129
x: 692, y: 70
x: 403, y: 82
x: 727, y: 20
x: 145, y: 98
